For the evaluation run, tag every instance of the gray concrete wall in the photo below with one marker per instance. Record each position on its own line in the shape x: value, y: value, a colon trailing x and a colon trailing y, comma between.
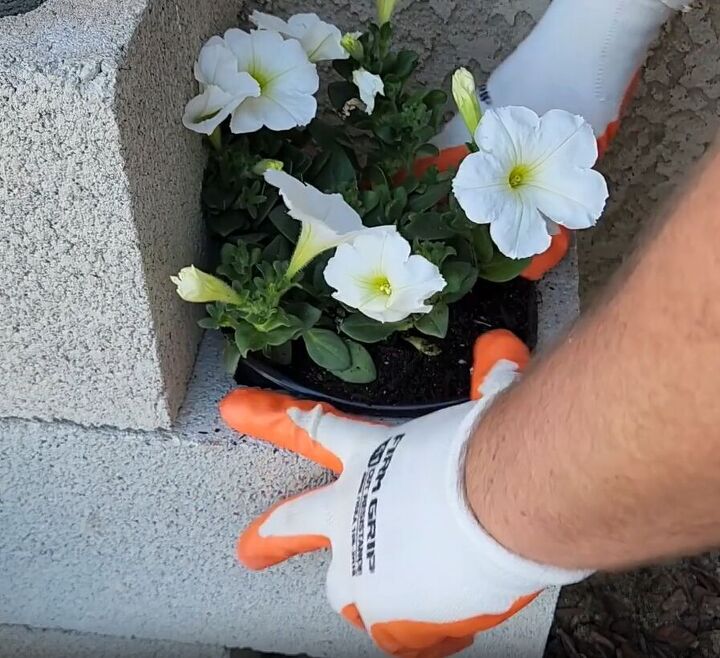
x: 99, y: 186
x: 28, y: 642
x: 670, y: 125
x: 14, y: 7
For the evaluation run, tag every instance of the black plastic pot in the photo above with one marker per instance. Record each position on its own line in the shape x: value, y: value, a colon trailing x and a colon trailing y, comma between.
x: 261, y: 374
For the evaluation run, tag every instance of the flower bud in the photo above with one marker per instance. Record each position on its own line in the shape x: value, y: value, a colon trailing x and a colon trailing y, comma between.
x: 385, y: 9
x: 352, y: 45
x: 263, y: 165
x: 196, y: 286
x: 466, y: 98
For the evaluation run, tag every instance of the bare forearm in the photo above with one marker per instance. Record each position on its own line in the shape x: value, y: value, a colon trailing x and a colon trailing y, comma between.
x: 608, y: 453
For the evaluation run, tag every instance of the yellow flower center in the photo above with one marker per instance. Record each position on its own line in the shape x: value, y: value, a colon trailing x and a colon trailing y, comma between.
x: 518, y: 176
x: 261, y: 78
x: 381, y: 284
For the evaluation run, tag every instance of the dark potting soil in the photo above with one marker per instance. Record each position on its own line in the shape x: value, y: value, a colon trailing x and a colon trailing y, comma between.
x: 406, y: 376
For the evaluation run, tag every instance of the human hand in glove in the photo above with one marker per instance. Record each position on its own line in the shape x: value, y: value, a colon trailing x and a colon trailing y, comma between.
x: 410, y: 563
x: 583, y: 56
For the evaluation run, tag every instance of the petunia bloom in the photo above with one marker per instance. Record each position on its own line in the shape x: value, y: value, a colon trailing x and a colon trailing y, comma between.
x: 370, y: 85
x: 194, y: 285
x: 327, y: 220
x: 376, y: 274
x: 223, y: 88
x: 320, y: 40
x: 531, y: 173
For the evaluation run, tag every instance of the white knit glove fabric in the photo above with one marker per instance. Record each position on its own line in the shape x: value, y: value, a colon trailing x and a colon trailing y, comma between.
x: 581, y: 57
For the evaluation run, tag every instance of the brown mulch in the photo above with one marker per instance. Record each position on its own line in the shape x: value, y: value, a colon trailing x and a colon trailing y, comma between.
x: 672, y: 611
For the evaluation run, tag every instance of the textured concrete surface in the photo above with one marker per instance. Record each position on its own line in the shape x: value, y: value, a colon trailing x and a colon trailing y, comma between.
x: 27, y: 642
x: 14, y: 7
x: 674, y: 118
x: 99, y: 186
x: 131, y: 533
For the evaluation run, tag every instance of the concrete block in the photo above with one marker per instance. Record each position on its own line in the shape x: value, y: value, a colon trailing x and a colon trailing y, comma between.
x: 27, y: 642
x: 14, y: 7
x: 132, y: 533
x: 99, y: 189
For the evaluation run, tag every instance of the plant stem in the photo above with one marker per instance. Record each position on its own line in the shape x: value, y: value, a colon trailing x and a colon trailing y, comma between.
x: 215, y: 139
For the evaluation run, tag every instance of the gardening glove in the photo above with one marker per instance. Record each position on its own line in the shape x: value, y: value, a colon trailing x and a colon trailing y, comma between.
x: 583, y: 56
x: 410, y: 563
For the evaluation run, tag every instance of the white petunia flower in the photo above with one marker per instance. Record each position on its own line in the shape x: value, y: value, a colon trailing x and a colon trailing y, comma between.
x: 223, y: 88
x: 287, y: 79
x: 327, y: 220
x: 370, y: 85
x: 320, y: 40
x: 530, y: 171
x: 376, y: 274
x: 194, y: 285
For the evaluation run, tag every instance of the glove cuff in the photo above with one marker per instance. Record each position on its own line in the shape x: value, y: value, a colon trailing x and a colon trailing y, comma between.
x: 516, y: 571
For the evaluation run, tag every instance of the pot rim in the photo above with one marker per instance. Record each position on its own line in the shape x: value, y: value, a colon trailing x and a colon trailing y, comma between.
x: 287, y: 383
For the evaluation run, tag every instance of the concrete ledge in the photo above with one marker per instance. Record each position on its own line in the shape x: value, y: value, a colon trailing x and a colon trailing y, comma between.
x: 132, y: 533
x: 100, y: 193
x: 27, y: 642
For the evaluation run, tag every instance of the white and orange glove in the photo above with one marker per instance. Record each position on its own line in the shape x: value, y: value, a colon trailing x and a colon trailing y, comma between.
x: 583, y: 56
x: 410, y: 563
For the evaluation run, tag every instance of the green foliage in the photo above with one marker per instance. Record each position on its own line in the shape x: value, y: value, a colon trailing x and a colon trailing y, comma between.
x: 501, y: 269
x: 366, y: 330
x: 369, y: 160
x: 436, y: 322
x: 327, y: 349
x: 362, y: 367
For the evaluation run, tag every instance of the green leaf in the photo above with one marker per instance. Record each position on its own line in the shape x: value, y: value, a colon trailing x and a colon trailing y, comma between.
x: 376, y: 177
x: 365, y: 329
x: 280, y: 354
x: 231, y: 357
x: 362, y: 367
x: 248, y: 339
x: 336, y: 173
x: 482, y: 244
x: 342, y: 92
x: 282, y: 335
x: 435, y: 193
x: 225, y: 223
x: 208, y: 323
x: 218, y: 197
x: 278, y: 250
x: 502, y: 269
x: 327, y: 349
x: 306, y: 313
x: 427, y: 151
x: 461, y: 278
x: 263, y: 210
x: 320, y: 286
x: 288, y: 226
x: 435, y: 99
x: 405, y: 64
x: 436, y: 322
x: 370, y: 200
x: 426, y: 226
x: 394, y: 211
